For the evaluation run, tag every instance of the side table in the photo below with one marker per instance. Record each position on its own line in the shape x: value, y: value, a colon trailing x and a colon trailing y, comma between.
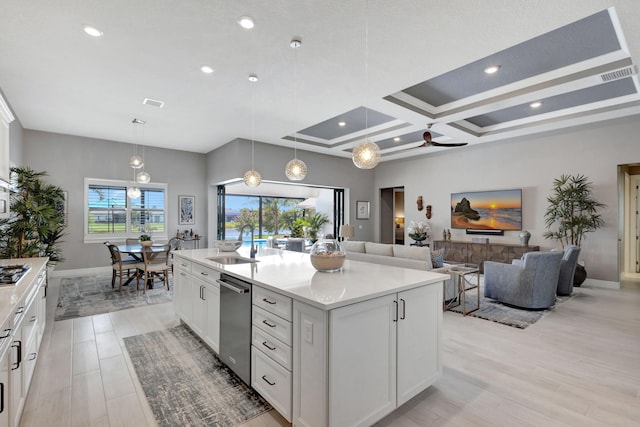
x: 459, y: 273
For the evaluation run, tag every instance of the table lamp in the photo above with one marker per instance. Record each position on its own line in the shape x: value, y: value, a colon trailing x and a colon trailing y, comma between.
x: 347, y: 231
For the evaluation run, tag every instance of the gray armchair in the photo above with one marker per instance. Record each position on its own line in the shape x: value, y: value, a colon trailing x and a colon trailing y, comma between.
x: 567, y: 269
x: 530, y: 282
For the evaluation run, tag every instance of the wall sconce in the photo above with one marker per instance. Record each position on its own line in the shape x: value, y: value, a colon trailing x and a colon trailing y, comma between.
x: 419, y: 202
x: 428, y: 212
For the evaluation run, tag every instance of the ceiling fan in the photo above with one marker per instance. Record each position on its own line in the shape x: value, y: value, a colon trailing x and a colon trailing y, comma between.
x: 429, y: 142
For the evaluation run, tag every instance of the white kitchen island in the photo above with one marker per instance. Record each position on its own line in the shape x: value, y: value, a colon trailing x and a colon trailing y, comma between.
x: 338, y: 349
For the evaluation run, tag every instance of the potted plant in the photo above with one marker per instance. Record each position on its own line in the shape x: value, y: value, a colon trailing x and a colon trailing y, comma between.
x: 145, y: 240
x: 316, y: 222
x: 37, y: 219
x: 572, y: 213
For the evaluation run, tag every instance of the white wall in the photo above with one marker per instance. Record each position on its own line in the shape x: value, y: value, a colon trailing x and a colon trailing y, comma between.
x: 531, y: 164
x: 69, y: 159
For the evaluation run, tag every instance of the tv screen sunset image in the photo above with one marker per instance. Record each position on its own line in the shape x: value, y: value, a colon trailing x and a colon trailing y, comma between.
x: 487, y: 210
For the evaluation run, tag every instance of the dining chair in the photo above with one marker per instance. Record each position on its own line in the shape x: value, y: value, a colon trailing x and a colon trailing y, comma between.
x: 155, y: 264
x: 120, y: 266
x: 175, y: 244
x: 131, y: 242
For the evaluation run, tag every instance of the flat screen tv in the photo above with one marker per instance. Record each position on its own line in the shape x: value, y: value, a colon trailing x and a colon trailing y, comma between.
x: 487, y: 210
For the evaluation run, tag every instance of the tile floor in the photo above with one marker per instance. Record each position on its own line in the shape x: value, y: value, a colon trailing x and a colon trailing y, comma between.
x: 579, y: 366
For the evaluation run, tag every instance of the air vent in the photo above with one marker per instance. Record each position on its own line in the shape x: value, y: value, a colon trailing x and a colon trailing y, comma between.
x: 153, y: 102
x: 618, y: 74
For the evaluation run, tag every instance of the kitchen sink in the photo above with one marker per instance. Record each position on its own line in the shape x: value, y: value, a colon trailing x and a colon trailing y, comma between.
x: 231, y: 259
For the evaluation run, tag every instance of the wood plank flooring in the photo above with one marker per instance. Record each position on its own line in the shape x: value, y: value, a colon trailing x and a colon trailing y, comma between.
x: 578, y: 366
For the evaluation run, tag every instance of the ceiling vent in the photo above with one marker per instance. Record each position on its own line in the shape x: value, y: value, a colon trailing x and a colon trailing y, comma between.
x: 618, y: 74
x: 153, y: 102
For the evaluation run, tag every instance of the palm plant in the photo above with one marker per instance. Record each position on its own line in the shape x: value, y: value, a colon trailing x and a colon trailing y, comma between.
x: 572, y: 210
x: 36, y: 223
x: 316, y: 221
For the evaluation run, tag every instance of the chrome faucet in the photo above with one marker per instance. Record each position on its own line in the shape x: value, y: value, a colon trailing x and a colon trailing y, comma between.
x: 252, y: 252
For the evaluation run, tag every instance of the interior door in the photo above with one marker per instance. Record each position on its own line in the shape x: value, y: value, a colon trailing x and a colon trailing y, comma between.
x: 387, y: 232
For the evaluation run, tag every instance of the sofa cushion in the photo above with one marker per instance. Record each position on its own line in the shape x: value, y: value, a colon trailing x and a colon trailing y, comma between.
x: 378, y: 248
x: 353, y: 246
x: 389, y: 260
x: 411, y: 252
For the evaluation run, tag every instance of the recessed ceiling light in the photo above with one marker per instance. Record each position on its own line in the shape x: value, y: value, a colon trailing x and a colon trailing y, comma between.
x: 396, y: 139
x: 342, y: 124
x: 536, y: 104
x: 206, y: 69
x: 246, y: 22
x: 92, y: 31
x: 492, y: 69
x: 253, y: 78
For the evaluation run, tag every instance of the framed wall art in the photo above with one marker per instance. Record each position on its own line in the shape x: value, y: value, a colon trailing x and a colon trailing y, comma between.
x: 362, y: 209
x: 186, y: 210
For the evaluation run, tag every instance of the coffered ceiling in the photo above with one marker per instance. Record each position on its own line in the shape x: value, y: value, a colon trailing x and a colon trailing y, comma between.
x: 421, y: 62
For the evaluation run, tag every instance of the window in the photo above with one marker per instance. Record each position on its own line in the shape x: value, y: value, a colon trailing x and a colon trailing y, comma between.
x: 109, y: 214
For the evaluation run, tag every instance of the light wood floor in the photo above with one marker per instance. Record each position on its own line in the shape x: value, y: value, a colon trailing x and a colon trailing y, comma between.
x: 578, y: 366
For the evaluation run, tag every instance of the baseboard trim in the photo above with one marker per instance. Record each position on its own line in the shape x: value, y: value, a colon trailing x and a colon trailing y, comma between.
x: 606, y: 284
x: 80, y: 272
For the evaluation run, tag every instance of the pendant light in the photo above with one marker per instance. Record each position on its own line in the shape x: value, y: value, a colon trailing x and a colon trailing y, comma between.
x: 366, y: 155
x: 251, y: 177
x: 142, y: 177
x: 296, y: 169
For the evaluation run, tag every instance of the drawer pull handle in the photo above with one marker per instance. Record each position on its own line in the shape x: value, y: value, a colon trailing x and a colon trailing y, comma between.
x: 20, y: 310
x: 204, y: 274
x: 7, y: 332
x: 32, y: 356
x: 264, y: 343
x: 268, y: 301
x: 32, y: 319
x: 271, y: 325
x: 264, y: 377
x: 183, y: 265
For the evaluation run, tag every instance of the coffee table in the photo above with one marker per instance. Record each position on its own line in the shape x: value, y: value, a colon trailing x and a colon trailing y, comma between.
x: 462, y: 284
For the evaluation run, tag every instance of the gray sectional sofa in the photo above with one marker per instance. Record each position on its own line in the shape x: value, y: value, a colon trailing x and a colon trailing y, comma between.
x: 415, y: 257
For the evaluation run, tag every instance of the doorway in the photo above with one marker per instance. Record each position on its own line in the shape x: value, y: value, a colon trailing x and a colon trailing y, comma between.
x: 392, y: 215
x: 629, y: 222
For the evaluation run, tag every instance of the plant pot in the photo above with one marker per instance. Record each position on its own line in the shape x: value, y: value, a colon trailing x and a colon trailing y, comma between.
x: 579, y: 276
x: 146, y: 243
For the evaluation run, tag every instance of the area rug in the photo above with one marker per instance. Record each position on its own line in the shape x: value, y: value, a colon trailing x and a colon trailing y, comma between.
x: 89, y: 295
x: 186, y: 384
x: 503, y: 314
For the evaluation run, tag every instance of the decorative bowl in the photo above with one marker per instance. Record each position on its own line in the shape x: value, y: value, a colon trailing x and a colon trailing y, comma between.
x: 228, y: 245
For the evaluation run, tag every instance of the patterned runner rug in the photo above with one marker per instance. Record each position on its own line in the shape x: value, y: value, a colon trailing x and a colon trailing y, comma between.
x: 504, y: 314
x: 186, y: 384
x: 89, y: 295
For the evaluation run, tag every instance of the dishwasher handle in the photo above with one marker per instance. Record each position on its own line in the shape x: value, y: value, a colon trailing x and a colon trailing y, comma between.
x: 234, y: 288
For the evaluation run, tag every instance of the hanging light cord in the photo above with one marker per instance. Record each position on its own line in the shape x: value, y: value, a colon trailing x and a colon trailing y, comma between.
x: 366, y: 66
x: 295, y: 100
x: 253, y: 107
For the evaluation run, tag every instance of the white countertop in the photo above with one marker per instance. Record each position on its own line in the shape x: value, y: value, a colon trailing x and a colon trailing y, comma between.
x: 11, y: 296
x: 291, y: 274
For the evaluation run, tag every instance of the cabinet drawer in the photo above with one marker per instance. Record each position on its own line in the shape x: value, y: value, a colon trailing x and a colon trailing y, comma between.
x: 205, y: 273
x: 30, y: 322
x: 272, y: 347
x: 183, y: 265
x: 273, y: 302
x: 273, y: 325
x: 272, y: 381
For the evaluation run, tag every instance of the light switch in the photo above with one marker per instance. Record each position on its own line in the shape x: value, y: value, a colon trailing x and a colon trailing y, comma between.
x: 307, y: 328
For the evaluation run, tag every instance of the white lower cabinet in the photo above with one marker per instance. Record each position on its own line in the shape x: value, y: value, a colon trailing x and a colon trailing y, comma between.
x: 4, y: 386
x: 198, y: 300
x: 355, y: 364
x: 271, y: 348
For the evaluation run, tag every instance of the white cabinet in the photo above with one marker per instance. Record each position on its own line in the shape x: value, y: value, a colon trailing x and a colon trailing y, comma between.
x: 197, y: 300
x: 376, y: 354
x: 271, y: 348
x: 5, y: 119
x: 4, y: 384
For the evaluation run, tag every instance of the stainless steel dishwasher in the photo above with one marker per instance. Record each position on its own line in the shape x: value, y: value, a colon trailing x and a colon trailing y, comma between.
x: 235, y: 325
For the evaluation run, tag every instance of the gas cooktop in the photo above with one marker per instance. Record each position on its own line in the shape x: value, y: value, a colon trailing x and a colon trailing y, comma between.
x: 10, y: 275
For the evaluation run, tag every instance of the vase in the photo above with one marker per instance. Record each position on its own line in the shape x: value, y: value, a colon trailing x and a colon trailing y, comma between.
x: 327, y: 255
x: 524, y: 237
x: 146, y: 243
x: 579, y: 276
x: 448, y: 235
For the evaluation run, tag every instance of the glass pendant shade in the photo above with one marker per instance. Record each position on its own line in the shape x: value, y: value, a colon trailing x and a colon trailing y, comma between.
x: 143, y: 178
x: 296, y: 170
x: 136, y: 162
x: 366, y: 155
x: 133, y: 192
x: 252, y: 178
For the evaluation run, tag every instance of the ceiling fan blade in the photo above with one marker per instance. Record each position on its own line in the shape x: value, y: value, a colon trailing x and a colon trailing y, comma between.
x: 455, y: 144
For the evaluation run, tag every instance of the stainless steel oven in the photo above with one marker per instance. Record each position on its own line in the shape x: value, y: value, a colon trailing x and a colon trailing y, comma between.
x: 235, y: 325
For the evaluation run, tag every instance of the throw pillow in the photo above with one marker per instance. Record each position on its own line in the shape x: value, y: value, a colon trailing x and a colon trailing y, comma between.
x: 437, y: 258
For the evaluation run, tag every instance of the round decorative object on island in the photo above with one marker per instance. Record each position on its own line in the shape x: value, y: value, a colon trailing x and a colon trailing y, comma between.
x: 327, y: 255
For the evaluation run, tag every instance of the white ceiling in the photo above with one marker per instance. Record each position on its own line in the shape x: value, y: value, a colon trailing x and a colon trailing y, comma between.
x: 58, y: 79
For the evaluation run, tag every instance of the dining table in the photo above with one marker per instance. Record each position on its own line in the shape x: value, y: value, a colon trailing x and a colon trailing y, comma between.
x: 135, y: 251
